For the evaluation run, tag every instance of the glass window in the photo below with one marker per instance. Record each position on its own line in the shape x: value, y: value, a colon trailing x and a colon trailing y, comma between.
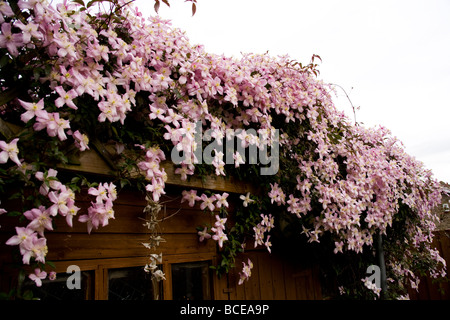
x: 191, y: 281
x: 132, y: 284
x: 59, y: 289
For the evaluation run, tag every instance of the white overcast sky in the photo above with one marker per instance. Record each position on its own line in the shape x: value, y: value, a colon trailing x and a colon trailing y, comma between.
x: 391, y: 56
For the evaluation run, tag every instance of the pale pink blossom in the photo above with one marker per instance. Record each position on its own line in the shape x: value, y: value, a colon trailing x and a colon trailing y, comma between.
x: 190, y: 196
x: 49, y: 181
x: 204, y: 234
x: 246, y: 272
x: 65, y: 98
x: 81, y: 140
x: 35, y: 248
x: 40, y: 219
x: 53, y: 123
x: 219, y: 236
x: 246, y: 199
x: 9, y: 151
x: 156, y: 188
x: 208, y: 202
x: 52, y: 275
x: 38, y: 276
x: 9, y: 40
x: 184, y: 171
x: 221, y: 200
x: 32, y: 108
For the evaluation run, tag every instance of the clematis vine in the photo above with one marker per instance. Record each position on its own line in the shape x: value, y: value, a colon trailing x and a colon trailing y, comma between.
x: 76, y: 79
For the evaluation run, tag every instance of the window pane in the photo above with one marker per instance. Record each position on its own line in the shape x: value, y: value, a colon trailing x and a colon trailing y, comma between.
x: 191, y: 281
x: 59, y: 290
x: 131, y: 284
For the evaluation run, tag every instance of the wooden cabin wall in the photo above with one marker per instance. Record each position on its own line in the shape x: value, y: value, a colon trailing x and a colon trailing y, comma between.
x: 273, y: 278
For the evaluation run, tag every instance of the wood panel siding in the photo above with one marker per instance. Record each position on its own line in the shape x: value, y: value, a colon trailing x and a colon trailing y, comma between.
x: 273, y: 278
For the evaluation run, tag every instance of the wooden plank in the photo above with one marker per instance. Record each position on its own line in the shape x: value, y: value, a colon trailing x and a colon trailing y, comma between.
x: 265, y: 276
x: 316, y: 283
x: 289, y: 281
x: 167, y: 287
x: 95, y: 246
x: 90, y: 162
x: 279, y: 289
x: 221, y: 289
x: 300, y: 288
x: 129, y: 219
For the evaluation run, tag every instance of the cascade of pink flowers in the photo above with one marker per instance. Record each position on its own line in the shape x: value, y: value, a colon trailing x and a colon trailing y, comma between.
x: 222, y: 93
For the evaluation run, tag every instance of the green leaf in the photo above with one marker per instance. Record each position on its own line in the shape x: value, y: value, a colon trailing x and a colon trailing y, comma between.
x: 75, y: 180
x: 4, y: 60
x: 14, y: 214
x: 27, y: 295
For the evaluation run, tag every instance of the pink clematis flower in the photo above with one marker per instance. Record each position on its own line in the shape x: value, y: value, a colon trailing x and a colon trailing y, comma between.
x: 72, y: 211
x: 52, y: 276
x: 9, y: 151
x: 29, y: 30
x: 219, y: 236
x: 40, y: 219
x: 38, y: 276
x: 222, y: 200
x: 65, y: 98
x: 184, y: 171
x: 36, y: 248
x: 81, y: 140
x: 22, y: 236
x: 246, y: 199
x: 49, y: 181
x: 204, y: 234
x: 246, y: 271
x: 32, y: 108
x: 100, y: 193
x: 55, y: 125
x: 156, y: 188
x: 61, y: 201
x: 5, y: 9
x: 9, y: 40
x: 190, y: 196
x: 207, y: 202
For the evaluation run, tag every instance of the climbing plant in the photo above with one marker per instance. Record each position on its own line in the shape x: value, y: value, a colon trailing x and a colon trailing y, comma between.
x: 77, y: 76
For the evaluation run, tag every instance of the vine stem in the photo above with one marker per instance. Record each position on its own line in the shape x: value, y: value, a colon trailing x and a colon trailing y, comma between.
x: 348, y: 98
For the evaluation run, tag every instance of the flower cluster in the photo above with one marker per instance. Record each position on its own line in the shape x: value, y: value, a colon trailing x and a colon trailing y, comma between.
x: 101, y: 210
x: 266, y: 224
x: 246, y: 272
x: 153, y: 172
x: 216, y: 233
x: 31, y: 238
x: 213, y: 202
x: 371, y: 286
